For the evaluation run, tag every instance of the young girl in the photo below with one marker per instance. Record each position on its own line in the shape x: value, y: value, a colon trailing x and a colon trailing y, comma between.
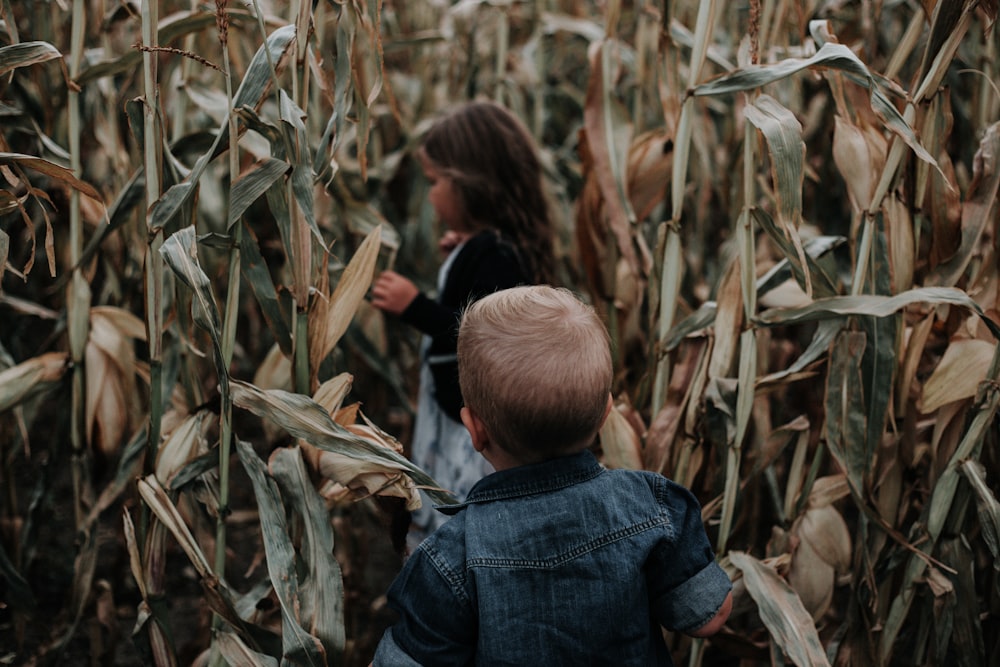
x: 486, y: 189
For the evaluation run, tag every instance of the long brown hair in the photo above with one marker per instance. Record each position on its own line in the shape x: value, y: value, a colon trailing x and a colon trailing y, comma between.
x: 491, y: 159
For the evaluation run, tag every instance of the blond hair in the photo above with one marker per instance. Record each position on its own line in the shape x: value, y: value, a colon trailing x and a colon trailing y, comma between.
x: 534, y: 364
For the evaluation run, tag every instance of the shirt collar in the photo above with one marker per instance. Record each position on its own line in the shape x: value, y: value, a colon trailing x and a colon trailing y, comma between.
x: 530, y: 479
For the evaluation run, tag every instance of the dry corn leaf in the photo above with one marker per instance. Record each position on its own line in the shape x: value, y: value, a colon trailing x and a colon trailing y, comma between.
x: 106, y: 411
x: 358, y: 478
x: 958, y: 375
x: 367, y: 478
x: 182, y: 444
x: 650, y: 164
x: 858, y: 160
x: 664, y: 427
x: 235, y: 651
x: 728, y: 324
x: 782, y: 612
x: 607, y: 135
x: 941, y: 196
x: 619, y: 441
x: 274, y: 372
x: 916, y: 340
x: 331, y: 394
x: 303, y: 418
x: 980, y: 200
x: 828, y: 489
x: 902, y: 250
x: 786, y: 295
x: 329, y: 321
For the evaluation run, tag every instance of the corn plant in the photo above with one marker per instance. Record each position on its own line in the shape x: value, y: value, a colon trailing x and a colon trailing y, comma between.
x: 785, y: 213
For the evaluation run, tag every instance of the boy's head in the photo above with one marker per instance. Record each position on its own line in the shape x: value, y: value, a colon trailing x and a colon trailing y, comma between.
x: 534, y: 365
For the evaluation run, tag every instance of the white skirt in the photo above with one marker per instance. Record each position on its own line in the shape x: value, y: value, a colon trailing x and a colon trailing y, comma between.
x: 443, y: 449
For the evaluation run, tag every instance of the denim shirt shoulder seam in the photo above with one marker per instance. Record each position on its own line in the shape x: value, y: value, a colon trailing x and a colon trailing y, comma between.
x: 567, y: 556
x: 456, y: 580
x: 528, y: 488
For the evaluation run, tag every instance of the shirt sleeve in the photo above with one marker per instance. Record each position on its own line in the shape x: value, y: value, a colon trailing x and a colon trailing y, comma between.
x: 435, y: 626
x: 687, y: 586
x: 430, y: 317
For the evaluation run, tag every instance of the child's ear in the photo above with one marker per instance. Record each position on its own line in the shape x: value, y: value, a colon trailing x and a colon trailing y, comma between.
x: 476, y: 428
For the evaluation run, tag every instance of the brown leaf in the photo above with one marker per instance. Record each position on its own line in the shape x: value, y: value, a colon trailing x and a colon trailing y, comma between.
x: 958, y: 375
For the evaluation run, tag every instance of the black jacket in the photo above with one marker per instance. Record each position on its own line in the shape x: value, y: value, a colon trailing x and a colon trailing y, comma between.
x: 485, y: 264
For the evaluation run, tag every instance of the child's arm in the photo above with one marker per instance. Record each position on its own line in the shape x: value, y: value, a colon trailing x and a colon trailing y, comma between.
x: 690, y: 593
x: 436, y: 624
x: 717, y: 621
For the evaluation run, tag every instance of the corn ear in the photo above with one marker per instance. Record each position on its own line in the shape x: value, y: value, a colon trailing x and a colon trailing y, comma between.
x: 28, y: 378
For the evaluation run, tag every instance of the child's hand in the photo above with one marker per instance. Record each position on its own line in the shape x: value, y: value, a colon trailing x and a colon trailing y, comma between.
x: 392, y: 293
x: 451, y: 240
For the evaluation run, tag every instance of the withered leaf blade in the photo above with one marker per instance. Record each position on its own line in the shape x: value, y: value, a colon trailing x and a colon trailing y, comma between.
x: 781, y: 610
x: 321, y: 591
x: 304, y: 418
x: 298, y: 645
x: 958, y: 375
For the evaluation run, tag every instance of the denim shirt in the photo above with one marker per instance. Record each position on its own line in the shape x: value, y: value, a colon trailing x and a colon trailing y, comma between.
x: 557, y: 563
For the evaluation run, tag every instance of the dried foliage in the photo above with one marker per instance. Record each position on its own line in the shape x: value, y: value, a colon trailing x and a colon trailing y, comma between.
x: 786, y: 212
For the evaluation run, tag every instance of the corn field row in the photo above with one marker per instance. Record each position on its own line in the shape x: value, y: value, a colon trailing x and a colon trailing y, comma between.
x: 786, y: 213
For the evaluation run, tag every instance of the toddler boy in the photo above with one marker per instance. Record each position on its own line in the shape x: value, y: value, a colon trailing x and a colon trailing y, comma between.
x: 551, y: 560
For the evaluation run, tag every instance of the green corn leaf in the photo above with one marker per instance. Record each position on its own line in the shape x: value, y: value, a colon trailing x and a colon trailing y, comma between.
x: 987, y: 506
x: 25, y: 54
x: 823, y: 285
x: 779, y: 273
x: 298, y: 646
x: 321, y: 591
x: 781, y: 610
x: 877, y: 306
x: 846, y: 419
x: 344, y: 76
x: 696, y: 321
x: 880, y: 363
x: 256, y: 273
x: 940, y: 505
x: 823, y: 337
x: 783, y: 133
x: 830, y: 56
x: 302, y: 177
x: 180, y: 252
x: 251, y: 186
x: 250, y: 93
